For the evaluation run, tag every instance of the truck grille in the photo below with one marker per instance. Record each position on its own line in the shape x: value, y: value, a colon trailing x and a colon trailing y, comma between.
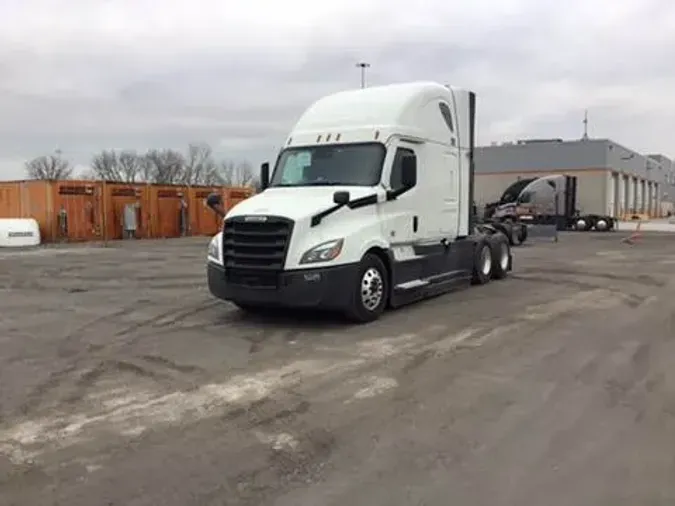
x: 254, y: 252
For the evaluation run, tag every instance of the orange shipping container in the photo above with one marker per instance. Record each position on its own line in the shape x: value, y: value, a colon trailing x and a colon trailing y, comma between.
x: 95, y: 210
x: 117, y: 197
x: 37, y: 203
x: 237, y: 194
x: 81, y: 201
x: 166, y: 208
x: 28, y: 199
x: 10, y: 200
x: 203, y: 221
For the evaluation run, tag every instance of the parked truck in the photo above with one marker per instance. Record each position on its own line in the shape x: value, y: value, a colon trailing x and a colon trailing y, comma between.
x: 369, y: 206
x: 546, y: 200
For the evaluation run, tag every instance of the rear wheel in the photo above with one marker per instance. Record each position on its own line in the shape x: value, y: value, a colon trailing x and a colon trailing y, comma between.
x: 583, y: 224
x: 369, y: 297
x: 501, y: 254
x: 602, y: 225
x: 482, y: 263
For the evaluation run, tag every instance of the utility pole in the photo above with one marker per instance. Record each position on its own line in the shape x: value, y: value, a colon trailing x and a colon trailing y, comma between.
x: 363, y: 66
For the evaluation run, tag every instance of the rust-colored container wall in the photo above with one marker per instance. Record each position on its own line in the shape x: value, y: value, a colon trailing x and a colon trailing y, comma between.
x: 166, y: 208
x: 94, y: 210
x: 81, y: 202
x: 37, y: 203
x: 236, y: 195
x: 117, y: 197
x: 28, y: 199
x: 203, y: 221
x: 10, y: 199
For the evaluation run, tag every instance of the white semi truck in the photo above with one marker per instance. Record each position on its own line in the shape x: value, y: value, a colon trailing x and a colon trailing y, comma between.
x: 369, y: 206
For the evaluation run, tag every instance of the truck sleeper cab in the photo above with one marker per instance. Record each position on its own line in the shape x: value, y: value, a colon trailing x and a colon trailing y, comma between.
x: 369, y: 205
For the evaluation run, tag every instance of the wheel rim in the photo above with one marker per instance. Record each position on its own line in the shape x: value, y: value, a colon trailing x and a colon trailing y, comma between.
x: 486, y: 261
x: 372, y: 288
x: 601, y: 225
x: 504, y: 258
x: 581, y: 224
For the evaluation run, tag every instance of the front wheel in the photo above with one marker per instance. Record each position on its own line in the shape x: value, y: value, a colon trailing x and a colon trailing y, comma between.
x: 369, y: 297
x: 253, y: 309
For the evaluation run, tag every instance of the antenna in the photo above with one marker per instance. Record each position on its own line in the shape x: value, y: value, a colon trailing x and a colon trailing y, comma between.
x: 585, y: 136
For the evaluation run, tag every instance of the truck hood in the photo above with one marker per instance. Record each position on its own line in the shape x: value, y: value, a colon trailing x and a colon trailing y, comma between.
x: 295, y: 203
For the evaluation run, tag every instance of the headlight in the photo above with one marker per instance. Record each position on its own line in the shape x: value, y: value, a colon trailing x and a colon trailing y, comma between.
x: 323, y: 252
x: 214, y: 247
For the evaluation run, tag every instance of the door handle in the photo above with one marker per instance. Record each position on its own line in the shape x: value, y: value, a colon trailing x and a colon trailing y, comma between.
x: 415, y: 223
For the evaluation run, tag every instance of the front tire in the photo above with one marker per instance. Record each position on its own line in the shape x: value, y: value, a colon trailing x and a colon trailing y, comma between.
x: 369, y: 297
x: 253, y: 309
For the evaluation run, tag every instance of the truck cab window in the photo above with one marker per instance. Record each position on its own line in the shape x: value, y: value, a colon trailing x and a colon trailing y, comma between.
x: 395, y: 179
x: 525, y: 197
x: 330, y: 165
x: 447, y: 115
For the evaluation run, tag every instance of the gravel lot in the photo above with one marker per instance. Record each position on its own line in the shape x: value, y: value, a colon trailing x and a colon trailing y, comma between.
x: 122, y: 382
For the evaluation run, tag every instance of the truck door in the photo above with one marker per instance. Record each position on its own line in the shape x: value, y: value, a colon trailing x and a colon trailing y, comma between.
x: 400, y: 218
x: 449, y: 216
x: 448, y: 177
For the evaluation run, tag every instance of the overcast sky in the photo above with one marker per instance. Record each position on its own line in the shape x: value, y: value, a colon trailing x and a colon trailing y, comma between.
x: 84, y: 75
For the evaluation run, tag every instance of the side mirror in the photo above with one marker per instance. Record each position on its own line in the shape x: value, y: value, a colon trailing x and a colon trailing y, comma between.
x: 409, y: 171
x: 264, y: 176
x: 215, y: 202
x: 341, y: 198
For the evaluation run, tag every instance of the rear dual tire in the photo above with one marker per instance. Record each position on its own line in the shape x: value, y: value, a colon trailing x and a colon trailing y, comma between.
x: 492, y: 259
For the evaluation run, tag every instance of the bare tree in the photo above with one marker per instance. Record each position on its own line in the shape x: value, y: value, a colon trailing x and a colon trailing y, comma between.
x: 165, y: 166
x: 129, y: 166
x: 200, y: 167
x: 245, y: 176
x: 105, y: 166
x: 145, y: 168
x: 121, y: 166
x: 49, y: 167
x: 237, y: 174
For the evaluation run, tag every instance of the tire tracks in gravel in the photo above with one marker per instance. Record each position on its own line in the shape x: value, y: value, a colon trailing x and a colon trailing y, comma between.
x: 98, y: 357
x: 239, y: 396
x: 623, y: 286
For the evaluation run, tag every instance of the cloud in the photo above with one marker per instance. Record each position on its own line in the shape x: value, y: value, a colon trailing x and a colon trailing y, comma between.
x: 82, y: 75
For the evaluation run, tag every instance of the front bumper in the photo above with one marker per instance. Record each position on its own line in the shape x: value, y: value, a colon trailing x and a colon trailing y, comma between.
x: 324, y: 288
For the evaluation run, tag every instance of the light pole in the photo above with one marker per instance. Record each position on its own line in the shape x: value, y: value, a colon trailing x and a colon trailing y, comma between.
x: 363, y: 66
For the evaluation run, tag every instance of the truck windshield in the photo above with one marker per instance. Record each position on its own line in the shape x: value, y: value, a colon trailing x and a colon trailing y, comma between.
x: 330, y: 165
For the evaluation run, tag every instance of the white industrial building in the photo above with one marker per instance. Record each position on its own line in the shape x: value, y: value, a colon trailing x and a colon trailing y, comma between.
x: 612, y: 179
